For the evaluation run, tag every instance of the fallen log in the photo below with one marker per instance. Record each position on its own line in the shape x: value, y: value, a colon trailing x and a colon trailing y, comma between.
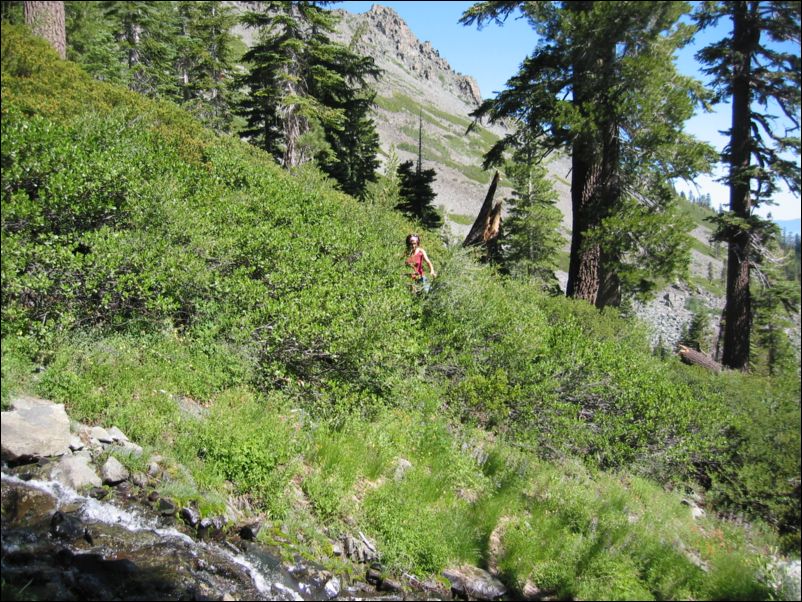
x: 697, y: 358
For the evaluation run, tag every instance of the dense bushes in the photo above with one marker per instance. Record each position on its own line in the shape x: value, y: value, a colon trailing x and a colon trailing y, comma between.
x: 147, y: 263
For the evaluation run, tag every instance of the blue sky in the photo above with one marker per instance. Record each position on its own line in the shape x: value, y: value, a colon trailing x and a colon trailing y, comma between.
x: 494, y: 54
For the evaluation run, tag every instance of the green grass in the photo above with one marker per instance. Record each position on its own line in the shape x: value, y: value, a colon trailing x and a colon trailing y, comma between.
x: 463, y: 220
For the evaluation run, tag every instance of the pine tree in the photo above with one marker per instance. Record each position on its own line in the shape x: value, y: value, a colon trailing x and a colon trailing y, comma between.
x: 308, y: 97
x: 416, y: 191
x: 93, y: 44
x: 602, y: 85
x: 204, y: 60
x: 147, y: 34
x: 530, y: 239
x: 417, y: 194
x: 752, y: 74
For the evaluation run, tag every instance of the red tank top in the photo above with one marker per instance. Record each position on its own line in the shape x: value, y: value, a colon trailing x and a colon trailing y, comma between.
x: 416, y: 261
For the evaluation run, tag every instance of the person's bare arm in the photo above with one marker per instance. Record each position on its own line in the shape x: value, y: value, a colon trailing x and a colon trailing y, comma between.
x: 429, y: 263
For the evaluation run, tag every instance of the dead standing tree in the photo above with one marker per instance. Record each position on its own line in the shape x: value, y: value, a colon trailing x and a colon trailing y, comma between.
x: 485, y: 229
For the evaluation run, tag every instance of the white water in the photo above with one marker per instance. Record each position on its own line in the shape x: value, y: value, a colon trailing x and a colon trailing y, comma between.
x: 92, y: 510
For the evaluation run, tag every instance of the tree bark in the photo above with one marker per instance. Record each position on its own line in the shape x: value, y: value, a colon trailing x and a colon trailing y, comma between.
x: 46, y: 20
x: 697, y: 358
x: 476, y: 235
x: 583, y: 270
x: 738, y: 320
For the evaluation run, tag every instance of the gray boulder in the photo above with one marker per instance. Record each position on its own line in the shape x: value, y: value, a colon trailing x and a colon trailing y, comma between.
x: 113, y: 472
x: 474, y: 583
x: 75, y: 472
x: 36, y: 429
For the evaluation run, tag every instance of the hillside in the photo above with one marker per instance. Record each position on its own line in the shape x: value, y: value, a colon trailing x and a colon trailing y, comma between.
x: 418, y: 81
x: 253, y: 332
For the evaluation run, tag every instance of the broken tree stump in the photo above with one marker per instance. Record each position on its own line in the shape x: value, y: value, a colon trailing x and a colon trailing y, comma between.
x: 486, y: 227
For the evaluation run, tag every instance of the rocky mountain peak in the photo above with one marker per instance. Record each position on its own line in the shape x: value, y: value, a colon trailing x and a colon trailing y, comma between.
x: 382, y: 29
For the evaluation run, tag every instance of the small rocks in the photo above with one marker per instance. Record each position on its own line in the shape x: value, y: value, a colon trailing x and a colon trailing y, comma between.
x: 401, y: 467
x: 361, y: 550
x: 139, y: 479
x: 100, y: 434
x: 332, y: 588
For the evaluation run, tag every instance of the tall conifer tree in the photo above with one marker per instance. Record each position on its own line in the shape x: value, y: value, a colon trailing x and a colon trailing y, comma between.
x: 416, y: 191
x: 602, y: 85
x: 754, y: 75
x: 204, y: 61
x: 307, y: 96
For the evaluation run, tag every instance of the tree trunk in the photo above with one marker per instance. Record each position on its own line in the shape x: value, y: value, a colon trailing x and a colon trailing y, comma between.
x: 697, y: 358
x: 46, y: 20
x: 583, y: 270
x: 738, y: 321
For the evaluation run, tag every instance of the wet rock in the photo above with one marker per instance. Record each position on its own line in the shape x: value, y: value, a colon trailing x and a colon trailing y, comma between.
x: 98, y: 493
x: 211, y: 528
x: 153, y: 496
x: 190, y: 516
x: 23, y: 506
x: 112, y: 472
x: 249, y: 532
x: 167, y: 507
x: 390, y: 585
x: 35, y: 430
x: 373, y: 576
x: 66, y: 526
x: 474, y: 583
x: 332, y: 588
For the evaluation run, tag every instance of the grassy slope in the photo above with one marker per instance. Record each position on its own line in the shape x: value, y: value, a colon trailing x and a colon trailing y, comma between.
x: 146, y: 260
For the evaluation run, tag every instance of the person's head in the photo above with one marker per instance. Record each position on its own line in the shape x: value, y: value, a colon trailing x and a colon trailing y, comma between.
x: 413, y: 241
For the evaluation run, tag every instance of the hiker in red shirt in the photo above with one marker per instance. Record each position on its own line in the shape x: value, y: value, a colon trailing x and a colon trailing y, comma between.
x: 415, y: 258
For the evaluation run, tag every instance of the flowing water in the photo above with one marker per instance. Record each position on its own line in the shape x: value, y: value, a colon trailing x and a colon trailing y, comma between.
x: 60, y: 545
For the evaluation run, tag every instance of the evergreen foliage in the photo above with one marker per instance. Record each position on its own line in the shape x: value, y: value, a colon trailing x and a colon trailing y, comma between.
x: 308, y: 97
x: 417, y: 195
x: 602, y: 84
x: 181, y: 51
x: 529, y: 236
x: 752, y: 71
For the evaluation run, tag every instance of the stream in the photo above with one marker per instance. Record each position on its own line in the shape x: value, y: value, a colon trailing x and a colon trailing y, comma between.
x: 60, y: 545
